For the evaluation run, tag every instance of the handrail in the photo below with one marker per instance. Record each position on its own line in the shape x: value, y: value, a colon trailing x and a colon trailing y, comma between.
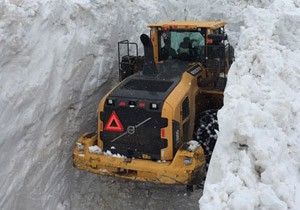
x: 128, y: 44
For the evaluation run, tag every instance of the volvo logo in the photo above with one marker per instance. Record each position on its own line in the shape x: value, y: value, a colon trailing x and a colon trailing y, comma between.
x: 131, y: 129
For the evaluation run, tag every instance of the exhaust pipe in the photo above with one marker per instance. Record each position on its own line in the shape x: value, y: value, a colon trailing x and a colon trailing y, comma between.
x: 149, y: 64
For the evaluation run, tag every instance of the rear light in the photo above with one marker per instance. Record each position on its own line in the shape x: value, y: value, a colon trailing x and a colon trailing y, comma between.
x: 209, y: 41
x: 141, y: 104
x: 110, y: 102
x: 122, y: 103
x: 100, y: 126
x: 163, y: 133
x: 165, y: 28
x: 153, y: 106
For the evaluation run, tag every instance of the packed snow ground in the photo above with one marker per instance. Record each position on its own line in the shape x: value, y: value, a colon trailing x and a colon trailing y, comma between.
x: 58, y: 58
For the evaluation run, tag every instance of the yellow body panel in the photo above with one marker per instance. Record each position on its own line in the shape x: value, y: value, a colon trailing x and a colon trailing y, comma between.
x: 190, y: 24
x: 154, y: 40
x: 187, y: 167
x: 187, y: 87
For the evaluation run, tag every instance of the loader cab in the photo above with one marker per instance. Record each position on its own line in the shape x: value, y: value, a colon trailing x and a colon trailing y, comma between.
x: 187, y: 41
x: 181, y: 45
x: 192, y: 41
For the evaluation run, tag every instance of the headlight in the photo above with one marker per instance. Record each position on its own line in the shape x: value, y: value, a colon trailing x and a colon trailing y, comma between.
x: 110, y: 102
x: 131, y: 104
x: 153, y: 106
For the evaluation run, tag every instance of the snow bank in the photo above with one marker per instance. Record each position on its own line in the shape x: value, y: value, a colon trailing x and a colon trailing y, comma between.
x: 256, y: 161
x: 57, y: 59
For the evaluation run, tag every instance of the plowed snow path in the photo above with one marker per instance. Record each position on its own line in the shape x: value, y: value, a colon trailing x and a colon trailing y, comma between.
x: 97, y: 192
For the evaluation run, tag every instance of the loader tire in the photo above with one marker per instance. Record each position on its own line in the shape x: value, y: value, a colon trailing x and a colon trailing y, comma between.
x: 205, y: 134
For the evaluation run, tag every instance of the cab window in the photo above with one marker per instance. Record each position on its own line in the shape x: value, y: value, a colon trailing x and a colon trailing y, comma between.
x: 181, y: 45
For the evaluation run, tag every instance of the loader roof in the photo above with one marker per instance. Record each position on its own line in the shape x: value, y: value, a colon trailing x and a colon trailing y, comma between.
x: 190, y: 24
x: 156, y: 87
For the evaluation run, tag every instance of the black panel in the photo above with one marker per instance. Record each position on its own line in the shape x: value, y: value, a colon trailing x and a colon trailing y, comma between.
x: 185, y: 130
x: 141, y: 135
x: 185, y: 108
x: 176, y: 137
x: 156, y: 87
x: 147, y: 85
x: 141, y: 122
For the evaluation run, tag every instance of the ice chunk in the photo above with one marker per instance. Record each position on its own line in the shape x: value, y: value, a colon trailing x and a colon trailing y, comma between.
x: 193, y: 145
x: 109, y: 153
x: 95, y: 149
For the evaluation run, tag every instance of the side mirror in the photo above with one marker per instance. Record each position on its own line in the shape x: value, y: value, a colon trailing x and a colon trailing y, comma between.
x: 217, y: 37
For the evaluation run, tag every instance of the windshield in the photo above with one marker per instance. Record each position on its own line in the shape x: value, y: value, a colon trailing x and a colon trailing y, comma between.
x: 182, y: 45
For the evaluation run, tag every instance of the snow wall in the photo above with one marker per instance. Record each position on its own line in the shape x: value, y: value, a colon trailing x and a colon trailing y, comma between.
x: 256, y: 162
x: 58, y: 58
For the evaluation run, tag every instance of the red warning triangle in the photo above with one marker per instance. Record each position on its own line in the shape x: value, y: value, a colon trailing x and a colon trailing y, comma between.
x: 114, y: 124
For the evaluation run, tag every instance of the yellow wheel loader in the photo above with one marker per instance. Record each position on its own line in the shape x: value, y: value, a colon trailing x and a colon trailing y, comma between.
x: 158, y: 123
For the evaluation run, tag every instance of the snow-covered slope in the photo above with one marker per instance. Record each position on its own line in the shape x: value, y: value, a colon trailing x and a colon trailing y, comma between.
x: 57, y: 59
x: 256, y: 162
